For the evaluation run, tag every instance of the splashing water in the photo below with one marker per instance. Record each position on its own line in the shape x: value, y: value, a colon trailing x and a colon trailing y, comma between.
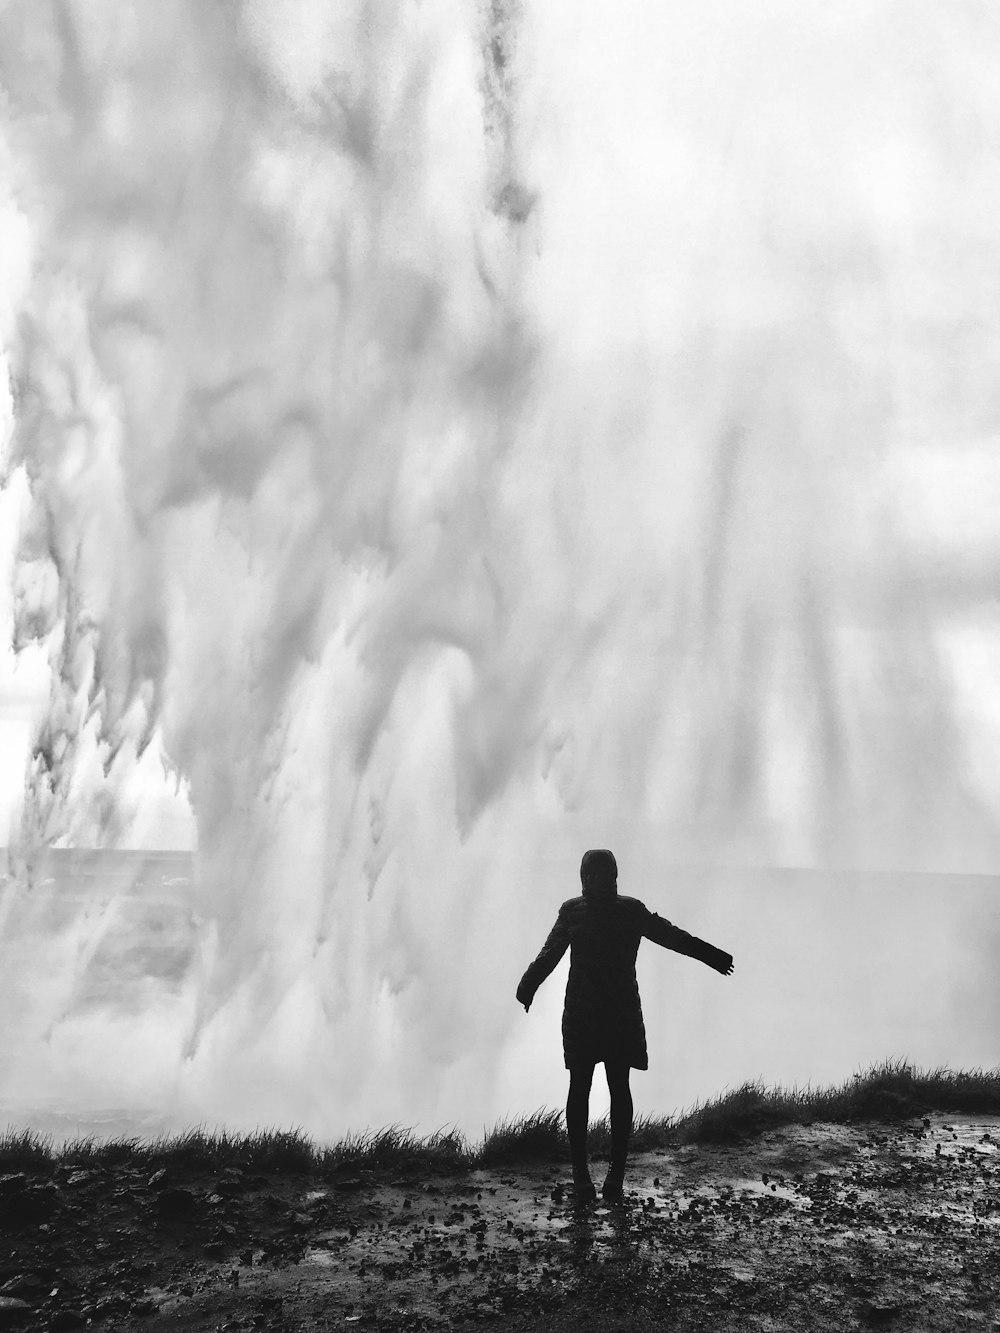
x: 455, y: 435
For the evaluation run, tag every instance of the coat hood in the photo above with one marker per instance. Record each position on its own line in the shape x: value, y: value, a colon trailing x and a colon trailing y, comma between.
x: 599, y: 875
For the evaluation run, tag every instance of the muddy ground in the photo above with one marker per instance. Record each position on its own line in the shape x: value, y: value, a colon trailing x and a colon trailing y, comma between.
x: 826, y: 1227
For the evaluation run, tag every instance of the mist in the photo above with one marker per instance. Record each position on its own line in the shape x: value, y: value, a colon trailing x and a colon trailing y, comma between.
x: 451, y: 437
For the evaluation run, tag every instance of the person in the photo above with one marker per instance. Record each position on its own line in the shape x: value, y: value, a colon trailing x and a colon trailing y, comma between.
x: 602, y: 1016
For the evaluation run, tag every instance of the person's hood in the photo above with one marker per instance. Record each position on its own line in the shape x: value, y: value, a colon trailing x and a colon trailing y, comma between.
x: 601, y: 870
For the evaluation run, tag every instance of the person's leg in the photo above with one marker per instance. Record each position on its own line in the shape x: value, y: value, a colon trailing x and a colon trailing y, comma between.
x: 621, y: 1108
x: 621, y: 1127
x: 577, y: 1114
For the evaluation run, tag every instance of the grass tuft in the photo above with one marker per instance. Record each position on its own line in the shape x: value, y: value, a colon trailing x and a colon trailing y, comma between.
x: 91, y: 1152
x: 891, y: 1091
x: 749, y: 1109
x: 25, y: 1150
x: 539, y: 1135
x: 400, y: 1148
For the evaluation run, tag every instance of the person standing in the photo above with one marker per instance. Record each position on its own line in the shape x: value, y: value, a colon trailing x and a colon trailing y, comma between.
x: 602, y: 1015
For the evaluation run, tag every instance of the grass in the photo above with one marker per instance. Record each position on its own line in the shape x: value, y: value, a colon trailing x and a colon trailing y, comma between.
x: 540, y: 1135
x: 396, y: 1147
x: 891, y: 1092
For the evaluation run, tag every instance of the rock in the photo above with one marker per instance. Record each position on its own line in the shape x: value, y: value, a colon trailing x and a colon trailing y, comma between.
x: 13, y: 1313
x: 77, y: 1179
x: 20, y: 1206
x: 175, y: 1202
x: 158, y: 1180
x: 25, y: 1285
x: 41, y: 1200
x: 110, y: 1305
x: 66, y: 1319
x: 878, y: 1312
x: 230, y: 1183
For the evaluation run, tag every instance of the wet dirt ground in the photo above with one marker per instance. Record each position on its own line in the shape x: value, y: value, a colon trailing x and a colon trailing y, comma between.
x: 825, y: 1227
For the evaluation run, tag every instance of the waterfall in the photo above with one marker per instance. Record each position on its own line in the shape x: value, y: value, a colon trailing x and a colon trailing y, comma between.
x: 453, y: 435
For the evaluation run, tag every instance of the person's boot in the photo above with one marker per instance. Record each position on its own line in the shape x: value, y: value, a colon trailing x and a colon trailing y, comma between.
x: 584, y: 1189
x: 613, y: 1188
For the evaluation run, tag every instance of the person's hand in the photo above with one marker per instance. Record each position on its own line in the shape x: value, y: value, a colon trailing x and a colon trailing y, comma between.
x: 722, y: 962
x: 526, y: 1003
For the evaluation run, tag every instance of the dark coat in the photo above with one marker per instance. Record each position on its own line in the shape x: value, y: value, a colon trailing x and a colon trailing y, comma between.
x: 602, y: 1016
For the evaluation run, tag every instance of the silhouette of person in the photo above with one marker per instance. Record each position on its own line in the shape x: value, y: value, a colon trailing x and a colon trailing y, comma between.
x: 602, y: 1016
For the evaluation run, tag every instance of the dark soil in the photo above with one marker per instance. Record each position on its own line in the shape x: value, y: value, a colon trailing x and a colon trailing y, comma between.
x: 827, y: 1227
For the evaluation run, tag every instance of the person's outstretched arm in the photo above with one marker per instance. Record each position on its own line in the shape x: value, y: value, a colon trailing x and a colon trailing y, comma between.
x: 660, y: 931
x: 551, y: 951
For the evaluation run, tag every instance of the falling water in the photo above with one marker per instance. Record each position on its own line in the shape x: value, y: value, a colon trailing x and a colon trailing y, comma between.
x: 453, y: 435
